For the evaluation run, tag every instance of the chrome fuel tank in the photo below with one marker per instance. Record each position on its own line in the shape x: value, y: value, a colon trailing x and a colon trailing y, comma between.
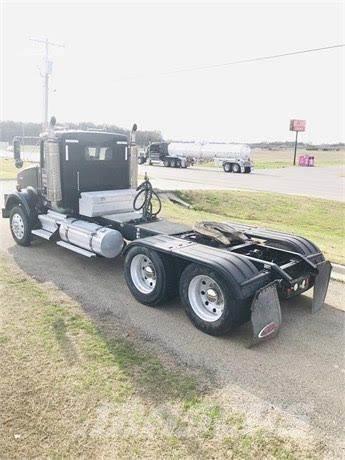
x: 103, y: 241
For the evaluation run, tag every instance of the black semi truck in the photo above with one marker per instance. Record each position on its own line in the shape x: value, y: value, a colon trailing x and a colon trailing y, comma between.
x: 84, y: 197
x: 158, y: 153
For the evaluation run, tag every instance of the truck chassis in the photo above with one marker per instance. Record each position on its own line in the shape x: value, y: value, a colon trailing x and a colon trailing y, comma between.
x: 226, y: 274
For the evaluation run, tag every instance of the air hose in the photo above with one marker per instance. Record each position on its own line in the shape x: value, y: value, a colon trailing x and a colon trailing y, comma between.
x: 143, y: 200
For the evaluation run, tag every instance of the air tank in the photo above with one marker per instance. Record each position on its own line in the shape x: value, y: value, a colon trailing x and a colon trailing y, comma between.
x: 103, y: 241
x: 209, y: 150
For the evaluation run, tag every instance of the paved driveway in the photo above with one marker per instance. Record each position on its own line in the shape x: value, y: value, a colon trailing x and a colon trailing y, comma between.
x: 328, y: 183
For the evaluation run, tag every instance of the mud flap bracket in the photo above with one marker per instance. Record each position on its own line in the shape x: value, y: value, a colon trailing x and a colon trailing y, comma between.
x: 266, y: 314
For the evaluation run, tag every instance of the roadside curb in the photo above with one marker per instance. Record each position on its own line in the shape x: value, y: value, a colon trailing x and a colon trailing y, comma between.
x: 339, y: 268
x: 338, y: 272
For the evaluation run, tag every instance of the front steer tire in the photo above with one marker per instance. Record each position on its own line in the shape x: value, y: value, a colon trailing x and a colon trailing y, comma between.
x: 165, y: 276
x: 235, y: 312
x: 20, y: 226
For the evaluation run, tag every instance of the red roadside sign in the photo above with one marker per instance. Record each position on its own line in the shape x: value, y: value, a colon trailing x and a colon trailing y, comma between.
x: 297, y: 125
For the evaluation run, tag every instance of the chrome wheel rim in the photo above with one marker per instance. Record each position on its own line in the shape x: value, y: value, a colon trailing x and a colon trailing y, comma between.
x: 143, y: 273
x: 206, y: 298
x: 17, y: 226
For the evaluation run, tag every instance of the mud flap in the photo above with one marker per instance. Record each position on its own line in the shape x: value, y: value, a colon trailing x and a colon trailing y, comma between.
x: 266, y: 315
x: 321, y: 285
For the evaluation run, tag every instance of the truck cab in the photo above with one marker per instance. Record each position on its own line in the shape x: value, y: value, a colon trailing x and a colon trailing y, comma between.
x: 78, y: 161
x: 158, y: 153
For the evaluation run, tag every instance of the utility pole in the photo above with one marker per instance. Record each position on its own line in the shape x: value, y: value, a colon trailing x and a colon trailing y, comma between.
x: 294, y: 157
x: 48, y: 69
x: 297, y: 126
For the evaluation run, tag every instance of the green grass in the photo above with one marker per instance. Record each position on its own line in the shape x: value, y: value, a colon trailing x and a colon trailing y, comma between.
x: 70, y: 388
x: 267, y: 159
x: 8, y: 169
x: 321, y: 221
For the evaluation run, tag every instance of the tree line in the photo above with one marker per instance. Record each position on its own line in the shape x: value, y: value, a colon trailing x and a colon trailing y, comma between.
x: 11, y: 129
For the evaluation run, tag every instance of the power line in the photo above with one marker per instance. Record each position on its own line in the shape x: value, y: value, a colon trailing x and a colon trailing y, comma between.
x: 247, y: 60
x: 261, y: 58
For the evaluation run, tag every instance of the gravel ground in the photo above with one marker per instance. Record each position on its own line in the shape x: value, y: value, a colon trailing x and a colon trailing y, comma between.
x: 300, y: 372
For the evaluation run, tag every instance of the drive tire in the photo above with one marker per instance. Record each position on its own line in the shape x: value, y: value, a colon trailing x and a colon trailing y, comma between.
x: 227, y: 167
x: 236, y: 168
x: 20, y: 226
x: 235, y: 312
x: 166, y: 284
x: 166, y: 163
x: 173, y: 163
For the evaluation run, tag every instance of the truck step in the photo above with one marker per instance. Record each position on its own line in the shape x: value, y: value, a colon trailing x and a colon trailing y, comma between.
x: 42, y: 233
x: 76, y: 249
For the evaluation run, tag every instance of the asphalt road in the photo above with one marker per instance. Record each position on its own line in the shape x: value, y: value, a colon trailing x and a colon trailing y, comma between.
x: 328, y: 183
x: 301, y: 371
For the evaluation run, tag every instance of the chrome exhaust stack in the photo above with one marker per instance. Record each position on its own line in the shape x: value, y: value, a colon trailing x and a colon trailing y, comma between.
x: 52, y: 166
x: 133, y: 158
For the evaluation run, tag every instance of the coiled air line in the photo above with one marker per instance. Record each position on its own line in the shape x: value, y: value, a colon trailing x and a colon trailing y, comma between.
x: 143, y: 200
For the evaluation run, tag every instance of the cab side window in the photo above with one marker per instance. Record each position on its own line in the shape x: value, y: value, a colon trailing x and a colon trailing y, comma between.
x: 98, y: 153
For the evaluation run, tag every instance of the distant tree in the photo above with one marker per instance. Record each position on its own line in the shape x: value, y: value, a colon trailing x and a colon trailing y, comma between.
x: 9, y: 129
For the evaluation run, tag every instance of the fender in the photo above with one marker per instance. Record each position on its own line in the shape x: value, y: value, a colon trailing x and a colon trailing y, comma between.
x: 283, y: 240
x: 27, y: 198
x: 241, y: 274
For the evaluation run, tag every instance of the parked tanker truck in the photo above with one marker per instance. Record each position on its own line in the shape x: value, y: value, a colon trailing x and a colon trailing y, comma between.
x: 231, y: 157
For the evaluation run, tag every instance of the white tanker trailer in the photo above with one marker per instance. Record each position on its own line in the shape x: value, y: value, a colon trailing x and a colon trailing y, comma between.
x: 232, y: 157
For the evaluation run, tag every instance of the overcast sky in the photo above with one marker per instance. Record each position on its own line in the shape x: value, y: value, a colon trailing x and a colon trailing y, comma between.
x: 116, y: 63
